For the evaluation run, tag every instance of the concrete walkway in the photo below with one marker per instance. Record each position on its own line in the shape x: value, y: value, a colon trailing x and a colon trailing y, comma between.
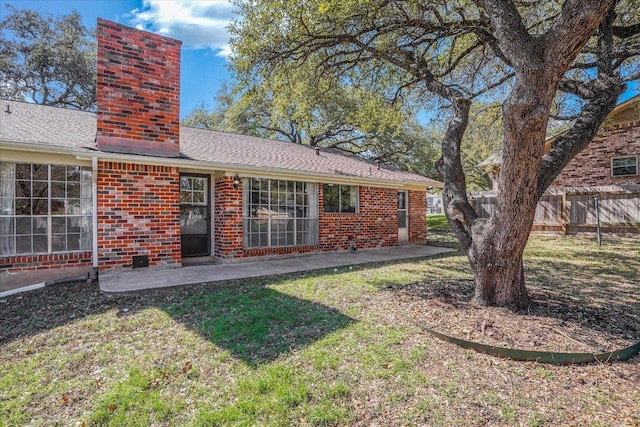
x: 138, y: 280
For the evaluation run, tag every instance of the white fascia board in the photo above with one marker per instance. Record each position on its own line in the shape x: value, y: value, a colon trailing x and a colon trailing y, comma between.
x: 200, y: 166
x: 261, y: 172
x: 39, y: 153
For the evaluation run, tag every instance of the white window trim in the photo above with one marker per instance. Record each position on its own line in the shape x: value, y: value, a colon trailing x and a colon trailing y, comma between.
x: 624, y: 157
x: 86, y: 187
x: 313, y: 216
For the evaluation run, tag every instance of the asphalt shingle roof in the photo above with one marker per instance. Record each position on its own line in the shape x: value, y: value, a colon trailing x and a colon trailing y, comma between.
x: 76, y: 130
x: 51, y: 126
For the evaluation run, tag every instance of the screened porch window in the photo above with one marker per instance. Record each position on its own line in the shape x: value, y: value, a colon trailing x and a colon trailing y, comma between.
x: 280, y: 213
x: 44, y: 208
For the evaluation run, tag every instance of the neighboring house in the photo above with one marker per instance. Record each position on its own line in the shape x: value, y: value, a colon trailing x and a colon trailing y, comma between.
x: 613, y: 157
x: 129, y: 187
x: 608, y: 169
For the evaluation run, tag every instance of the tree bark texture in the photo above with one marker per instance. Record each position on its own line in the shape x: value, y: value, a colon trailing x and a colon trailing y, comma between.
x: 495, y: 246
x: 412, y: 39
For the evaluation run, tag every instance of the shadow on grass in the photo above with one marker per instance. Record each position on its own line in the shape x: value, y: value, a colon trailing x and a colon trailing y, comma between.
x: 607, y: 275
x: 254, y: 323
x: 575, y: 265
x: 454, y: 296
x: 408, y: 270
x: 443, y: 238
x: 621, y: 267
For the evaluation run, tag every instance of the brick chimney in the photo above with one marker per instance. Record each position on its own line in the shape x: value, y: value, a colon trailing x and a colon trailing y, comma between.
x: 138, y: 91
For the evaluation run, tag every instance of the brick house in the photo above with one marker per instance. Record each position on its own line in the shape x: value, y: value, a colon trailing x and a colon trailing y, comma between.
x: 607, y: 170
x: 612, y: 158
x: 129, y: 187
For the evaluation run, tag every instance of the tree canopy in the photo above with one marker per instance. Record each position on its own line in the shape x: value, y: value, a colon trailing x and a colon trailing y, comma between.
x: 320, y: 113
x: 47, y: 60
x: 536, y: 59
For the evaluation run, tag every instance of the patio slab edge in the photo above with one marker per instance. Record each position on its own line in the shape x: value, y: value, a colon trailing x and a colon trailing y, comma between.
x: 141, y: 280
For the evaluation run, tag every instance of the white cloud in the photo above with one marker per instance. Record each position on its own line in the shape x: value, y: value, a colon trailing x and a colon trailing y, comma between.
x: 198, y: 23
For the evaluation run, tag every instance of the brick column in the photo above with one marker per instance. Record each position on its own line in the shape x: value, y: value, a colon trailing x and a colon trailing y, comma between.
x: 417, y: 216
x: 227, y: 220
x: 138, y: 214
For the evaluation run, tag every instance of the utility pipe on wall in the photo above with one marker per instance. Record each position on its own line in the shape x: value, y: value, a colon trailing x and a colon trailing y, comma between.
x: 94, y: 220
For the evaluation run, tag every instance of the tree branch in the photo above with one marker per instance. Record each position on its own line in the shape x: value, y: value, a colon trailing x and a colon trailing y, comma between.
x: 461, y: 214
x: 494, y: 85
x: 625, y: 32
x: 579, y: 88
x: 571, y: 30
x: 513, y: 39
x: 581, y: 133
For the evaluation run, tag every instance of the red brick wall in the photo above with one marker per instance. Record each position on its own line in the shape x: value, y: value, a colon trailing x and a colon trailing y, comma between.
x: 138, y: 91
x: 376, y: 225
x: 417, y: 216
x: 20, y: 263
x: 138, y: 214
x: 227, y: 219
x: 592, y: 166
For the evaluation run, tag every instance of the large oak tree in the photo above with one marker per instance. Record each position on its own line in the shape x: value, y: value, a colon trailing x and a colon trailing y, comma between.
x: 524, y: 54
x: 47, y: 60
x: 296, y: 107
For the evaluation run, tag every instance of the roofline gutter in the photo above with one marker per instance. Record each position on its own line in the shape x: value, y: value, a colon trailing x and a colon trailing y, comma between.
x: 266, y: 172
x: 43, y: 148
x: 253, y: 171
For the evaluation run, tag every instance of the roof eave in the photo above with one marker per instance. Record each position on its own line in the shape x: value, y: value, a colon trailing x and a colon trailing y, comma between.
x: 246, y: 170
x: 36, y: 147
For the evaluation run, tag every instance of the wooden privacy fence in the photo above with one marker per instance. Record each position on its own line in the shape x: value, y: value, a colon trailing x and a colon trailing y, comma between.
x: 572, y: 210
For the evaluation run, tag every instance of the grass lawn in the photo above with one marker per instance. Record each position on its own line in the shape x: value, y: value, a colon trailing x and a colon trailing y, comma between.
x: 437, y: 222
x: 321, y: 349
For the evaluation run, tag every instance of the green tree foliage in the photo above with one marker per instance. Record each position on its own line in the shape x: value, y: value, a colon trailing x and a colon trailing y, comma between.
x: 47, y: 60
x: 481, y: 141
x: 534, y: 59
x: 304, y: 107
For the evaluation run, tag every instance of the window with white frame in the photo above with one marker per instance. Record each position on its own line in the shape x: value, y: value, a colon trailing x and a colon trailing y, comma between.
x: 624, y: 166
x: 45, y: 208
x: 340, y: 198
x: 280, y: 213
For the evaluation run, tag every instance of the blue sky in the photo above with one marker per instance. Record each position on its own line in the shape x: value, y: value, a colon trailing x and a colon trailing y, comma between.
x: 200, y: 24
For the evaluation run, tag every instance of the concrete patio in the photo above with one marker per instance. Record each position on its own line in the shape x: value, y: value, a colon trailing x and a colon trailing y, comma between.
x: 139, y: 280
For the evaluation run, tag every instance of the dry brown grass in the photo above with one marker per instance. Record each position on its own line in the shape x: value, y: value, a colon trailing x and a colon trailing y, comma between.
x: 328, y: 348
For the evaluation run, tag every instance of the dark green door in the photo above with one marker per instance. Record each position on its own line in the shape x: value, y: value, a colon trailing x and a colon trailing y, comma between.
x: 195, y: 223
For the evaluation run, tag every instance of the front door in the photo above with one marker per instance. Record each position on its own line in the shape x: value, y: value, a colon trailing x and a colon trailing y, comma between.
x: 195, y: 224
x: 403, y: 219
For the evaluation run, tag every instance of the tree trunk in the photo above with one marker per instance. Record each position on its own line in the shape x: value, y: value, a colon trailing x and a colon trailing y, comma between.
x: 495, y: 246
x: 501, y: 283
x: 496, y: 261
x: 498, y: 245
